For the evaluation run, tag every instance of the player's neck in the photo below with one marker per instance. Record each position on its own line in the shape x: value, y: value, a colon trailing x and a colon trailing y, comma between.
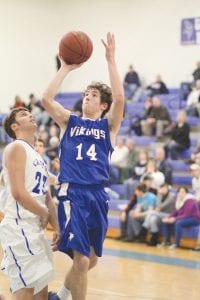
x: 92, y: 116
x: 27, y: 138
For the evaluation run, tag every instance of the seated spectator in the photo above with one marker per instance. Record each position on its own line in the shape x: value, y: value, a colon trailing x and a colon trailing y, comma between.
x: 195, y: 169
x: 118, y: 159
x: 43, y: 135
x: 158, y: 87
x: 180, y: 137
x: 186, y: 214
x: 126, y: 170
x: 124, y: 217
x: 137, y: 171
x: 195, y: 156
x: 196, y: 73
x: 157, y: 177
x: 193, y: 101
x: 152, y: 222
x: 127, y: 208
x: 18, y: 102
x: 131, y: 82
x: 163, y: 165
x: 157, y: 121
x: 145, y: 203
x: 40, y: 148
x: 37, y: 110
x: 54, y: 131
x: 55, y: 166
x: 77, y: 109
x: 147, y: 111
x: 53, y: 149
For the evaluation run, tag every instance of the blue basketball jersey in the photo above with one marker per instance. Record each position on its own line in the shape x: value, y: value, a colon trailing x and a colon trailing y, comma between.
x: 85, y: 151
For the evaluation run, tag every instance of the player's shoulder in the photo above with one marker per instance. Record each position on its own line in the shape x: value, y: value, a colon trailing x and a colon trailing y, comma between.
x: 13, y: 148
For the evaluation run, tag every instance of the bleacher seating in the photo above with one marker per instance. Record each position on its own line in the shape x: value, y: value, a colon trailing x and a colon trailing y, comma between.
x: 118, y: 188
x: 68, y: 100
x: 182, y: 179
x: 144, y: 141
x: 179, y: 166
x: 189, y: 234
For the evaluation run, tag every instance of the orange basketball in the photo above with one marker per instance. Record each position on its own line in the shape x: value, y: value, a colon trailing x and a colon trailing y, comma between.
x: 75, y: 47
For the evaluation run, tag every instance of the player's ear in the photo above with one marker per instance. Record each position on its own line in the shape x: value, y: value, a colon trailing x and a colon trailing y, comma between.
x: 104, y: 105
x: 14, y: 126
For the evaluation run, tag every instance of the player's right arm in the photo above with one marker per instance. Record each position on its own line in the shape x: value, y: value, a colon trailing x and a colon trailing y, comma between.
x: 58, y: 113
x: 15, y: 160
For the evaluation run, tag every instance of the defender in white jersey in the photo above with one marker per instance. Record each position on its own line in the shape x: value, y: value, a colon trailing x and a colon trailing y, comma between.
x: 28, y: 207
x: 86, y: 145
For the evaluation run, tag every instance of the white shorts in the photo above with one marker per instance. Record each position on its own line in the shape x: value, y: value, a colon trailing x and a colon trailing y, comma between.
x: 27, y: 255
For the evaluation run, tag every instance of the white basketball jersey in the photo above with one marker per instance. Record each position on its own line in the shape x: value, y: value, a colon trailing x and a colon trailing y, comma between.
x: 36, y: 174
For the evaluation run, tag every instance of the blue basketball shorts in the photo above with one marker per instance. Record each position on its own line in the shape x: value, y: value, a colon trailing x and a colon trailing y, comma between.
x: 82, y: 214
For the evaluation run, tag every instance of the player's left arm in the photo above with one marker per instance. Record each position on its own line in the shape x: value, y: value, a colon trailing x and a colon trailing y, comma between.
x: 53, y: 221
x: 115, y: 114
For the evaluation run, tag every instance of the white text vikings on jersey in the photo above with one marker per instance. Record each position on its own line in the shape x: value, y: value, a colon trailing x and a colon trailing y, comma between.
x: 97, y: 133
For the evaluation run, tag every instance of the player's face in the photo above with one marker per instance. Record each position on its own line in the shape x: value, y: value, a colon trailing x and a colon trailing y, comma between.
x: 39, y: 147
x: 25, y: 119
x: 92, y: 102
x: 182, y: 193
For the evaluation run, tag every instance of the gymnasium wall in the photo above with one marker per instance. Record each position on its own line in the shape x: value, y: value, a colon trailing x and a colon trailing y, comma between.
x: 147, y: 35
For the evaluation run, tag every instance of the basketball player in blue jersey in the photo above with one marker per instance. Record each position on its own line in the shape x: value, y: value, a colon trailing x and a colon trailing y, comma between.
x: 85, y: 148
x: 28, y: 206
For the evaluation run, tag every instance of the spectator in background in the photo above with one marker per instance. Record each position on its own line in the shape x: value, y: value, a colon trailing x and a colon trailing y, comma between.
x: 131, y: 82
x: 186, y: 214
x: 36, y: 108
x: 137, y: 171
x: 43, y: 135
x: 78, y: 107
x: 180, y: 139
x: 193, y: 101
x: 40, y: 148
x: 52, y: 151
x: 195, y: 169
x: 18, y: 102
x: 126, y: 170
x: 157, y: 121
x: 196, y: 73
x: 118, y: 159
x: 58, y: 64
x: 158, y: 87
x: 195, y: 156
x: 136, y: 126
x: 55, y: 166
x: 124, y: 216
x: 146, y: 202
x: 152, y: 221
x: 163, y: 165
x: 157, y: 177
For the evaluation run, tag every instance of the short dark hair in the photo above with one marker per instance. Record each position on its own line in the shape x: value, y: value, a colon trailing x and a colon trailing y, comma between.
x: 11, y: 119
x: 141, y: 187
x: 164, y: 184
x: 147, y: 177
x: 105, y: 92
x: 184, y: 188
x: 40, y: 141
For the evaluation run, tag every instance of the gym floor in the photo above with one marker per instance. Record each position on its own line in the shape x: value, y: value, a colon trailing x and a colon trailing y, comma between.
x: 135, y: 272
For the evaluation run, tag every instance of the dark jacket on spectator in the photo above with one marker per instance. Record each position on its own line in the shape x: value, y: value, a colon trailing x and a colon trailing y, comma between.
x: 181, y: 135
x: 160, y: 113
x: 166, y: 169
